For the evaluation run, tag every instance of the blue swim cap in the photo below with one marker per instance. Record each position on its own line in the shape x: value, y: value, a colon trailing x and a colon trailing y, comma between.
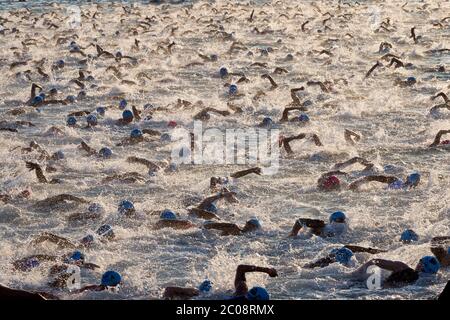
x: 105, y: 152
x: 42, y: 95
x: 105, y: 230
x: 409, y: 236
x: 71, y: 98
x: 32, y: 263
x: 430, y: 264
x: 211, y: 208
x: 255, y: 222
x: 233, y: 89
x: 111, y: 279
x: 205, y: 286
x: 343, y: 255
x: 413, y: 180
x: 257, y: 293
x: 37, y: 100
x: 223, y: 72
x: 167, y: 215
x: 397, y: 184
x: 267, y: 122
x: 173, y: 167
x: 123, y: 104
x: 91, y: 120
x: 87, y: 240
x: 95, y: 207
x: 136, y: 133
x: 71, y: 121
x: 165, y: 137
x: 60, y: 63
x: 337, y: 216
x: 101, y: 111
x: 77, y: 256
x: 127, y: 115
x: 411, y: 80
x: 214, y: 57
x: 148, y: 106
x: 125, y: 206
x: 58, y: 155
x: 303, y: 117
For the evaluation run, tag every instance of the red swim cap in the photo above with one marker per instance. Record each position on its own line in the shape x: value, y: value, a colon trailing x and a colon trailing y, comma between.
x: 331, y: 182
x: 445, y: 142
x: 172, y: 124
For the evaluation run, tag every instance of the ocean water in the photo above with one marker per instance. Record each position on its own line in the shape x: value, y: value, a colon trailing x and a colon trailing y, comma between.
x: 394, y: 121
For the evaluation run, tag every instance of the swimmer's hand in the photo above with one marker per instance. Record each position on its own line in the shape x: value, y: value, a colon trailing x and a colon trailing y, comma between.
x: 272, y: 272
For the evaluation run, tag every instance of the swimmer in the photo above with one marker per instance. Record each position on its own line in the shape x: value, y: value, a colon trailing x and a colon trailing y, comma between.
x: 110, y: 281
x: 342, y: 255
x: 7, y: 293
x: 152, y: 167
x: 337, y: 226
x: 205, y: 113
x: 233, y: 229
x: 437, y: 140
x: 215, y: 181
x: 137, y: 136
x: 59, y: 199
x: 441, y: 252
x: 396, y: 273
x: 393, y: 182
x: 40, y: 174
x: 168, y: 219
x: 286, y: 111
x: 128, y: 177
x: 284, y: 141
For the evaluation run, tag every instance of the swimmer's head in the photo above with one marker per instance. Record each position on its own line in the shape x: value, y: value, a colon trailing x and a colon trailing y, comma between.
x: 58, y: 155
x: 53, y: 91
x: 96, y: 208
x: 136, y: 133
x: 267, y: 122
x: 111, y: 279
x: 252, y: 225
x: 168, y: 215
x: 127, y: 115
x: 87, y: 240
x: 408, y: 236
x: 233, y: 89
x: 91, y: 120
x: 411, y: 80
x: 214, y: 57
x: 331, y: 183
x: 71, y: 121
x: 412, y: 180
x: 223, y: 72
x: 428, y: 264
x: 211, y: 208
x: 445, y: 142
x: 123, y: 104
x: 37, y: 100
x: 172, y: 124
x: 60, y: 63
x: 71, y: 98
x: 343, y: 255
x: 165, y: 137
x: 126, y: 207
x: 105, y: 152
x: 106, y: 231
x: 75, y: 257
x: 101, y: 111
x: 338, y: 217
x: 32, y: 263
x: 303, y: 117
x: 82, y: 94
x: 257, y: 293
x: 205, y: 286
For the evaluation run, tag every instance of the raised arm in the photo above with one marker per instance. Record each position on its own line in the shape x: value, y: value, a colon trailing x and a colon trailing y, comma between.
x: 226, y: 228
x: 240, y: 281
x: 356, y: 249
x: 437, y: 139
x: 315, y: 224
x: 181, y: 293
x: 353, y: 160
x: 53, y: 238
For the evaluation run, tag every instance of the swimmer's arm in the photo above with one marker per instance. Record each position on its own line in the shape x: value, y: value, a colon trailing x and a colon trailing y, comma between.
x: 349, y: 134
x: 437, y: 139
x: 353, y: 160
x: 384, y: 179
x: 173, y: 292
x: 227, y: 228
x: 242, y: 173
x: 240, y: 281
x: 203, y: 214
x: 60, y: 241
x: 393, y: 266
x: 356, y: 249
x: 442, y: 255
x: 91, y: 266
x: 310, y: 223
x: 321, y: 263
x: 94, y: 287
